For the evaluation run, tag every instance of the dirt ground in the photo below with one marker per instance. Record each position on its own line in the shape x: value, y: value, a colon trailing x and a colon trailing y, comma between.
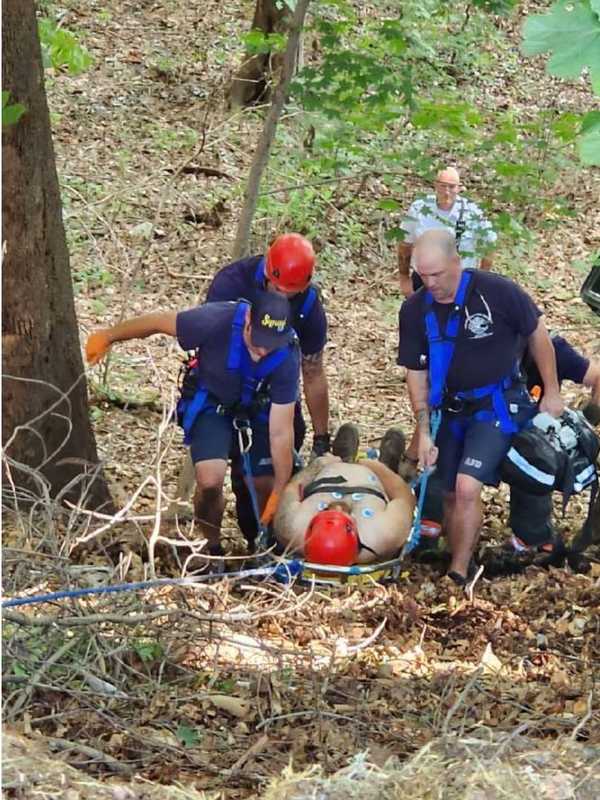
x: 219, y: 688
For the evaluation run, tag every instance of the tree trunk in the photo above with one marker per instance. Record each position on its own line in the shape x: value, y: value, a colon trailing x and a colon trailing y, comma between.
x: 252, y: 82
x: 45, y: 421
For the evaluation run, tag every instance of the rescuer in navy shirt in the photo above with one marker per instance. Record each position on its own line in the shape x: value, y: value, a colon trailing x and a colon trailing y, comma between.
x: 473, y: 439
x: 233, y: 342
x: 531, y: 515
x: 286, y: 268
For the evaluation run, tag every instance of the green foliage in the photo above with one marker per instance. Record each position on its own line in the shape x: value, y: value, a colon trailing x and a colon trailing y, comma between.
x: 589, y: 143
x: 11, y: 112
x: 398, y: 96
x: 571, y: 33
x: 148, y: 649
x: 257, y: 41
x: 60, y: 48
x: 188, y: 737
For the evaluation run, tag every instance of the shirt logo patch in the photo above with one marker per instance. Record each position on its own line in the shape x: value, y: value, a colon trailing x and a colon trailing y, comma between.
x: 479, y: 326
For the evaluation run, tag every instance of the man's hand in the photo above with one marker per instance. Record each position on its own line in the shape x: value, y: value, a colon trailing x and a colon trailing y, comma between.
x: 406, y: 286
x: 97, y: 346
x: 321, y: 445
x: 270, y: 508
x: 428, y: 452
x: 552, y: 403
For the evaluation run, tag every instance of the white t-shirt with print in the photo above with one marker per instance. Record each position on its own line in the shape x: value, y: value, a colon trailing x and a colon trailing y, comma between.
x: 424, y: 215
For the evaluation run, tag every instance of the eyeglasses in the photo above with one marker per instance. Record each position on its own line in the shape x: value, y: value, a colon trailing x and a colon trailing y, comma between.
x: 453, y: 187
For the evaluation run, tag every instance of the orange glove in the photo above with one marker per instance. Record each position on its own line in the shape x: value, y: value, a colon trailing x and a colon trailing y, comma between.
x: 269, y: 511
x: 97, y: 346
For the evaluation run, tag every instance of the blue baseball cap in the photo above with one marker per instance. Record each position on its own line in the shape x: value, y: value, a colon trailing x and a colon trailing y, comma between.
x: 270, y: 320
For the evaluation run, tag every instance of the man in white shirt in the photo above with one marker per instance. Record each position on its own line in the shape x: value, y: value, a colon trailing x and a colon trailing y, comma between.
x: 445, y: 209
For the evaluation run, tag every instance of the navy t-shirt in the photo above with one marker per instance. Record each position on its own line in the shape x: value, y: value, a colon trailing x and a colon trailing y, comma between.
x: 207, y: 329
x: 570, y: 365
x: 239, y: 279
x: 497, y: 316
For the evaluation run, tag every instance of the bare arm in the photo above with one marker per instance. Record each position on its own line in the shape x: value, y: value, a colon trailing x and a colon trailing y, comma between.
x: 316, y: 392
x: 541, y: 348
x: 141, y: 327
x: 404, y: 257
x: 98, y: 343
x: 281, y: 438
x: 417, y: 382
x: 591, y: 379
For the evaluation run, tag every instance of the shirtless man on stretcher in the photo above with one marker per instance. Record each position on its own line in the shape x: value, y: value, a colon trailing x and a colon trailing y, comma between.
x: 339, y: 512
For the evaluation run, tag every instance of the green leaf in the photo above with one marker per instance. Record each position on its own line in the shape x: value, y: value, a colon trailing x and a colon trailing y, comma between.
x: 60, y: 48
x: 571, y: 32
x: 566, y: 127
x: 389, y: 204
x: 591, y: 120
x: 589, y: 143
x: 187, y: 736
x: 147, y: 650
x: 12, y: 113
x: 257, y: 41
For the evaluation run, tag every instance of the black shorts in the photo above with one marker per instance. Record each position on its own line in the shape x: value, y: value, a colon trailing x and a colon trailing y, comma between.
x: 213, y: 436
x: 477, y: 448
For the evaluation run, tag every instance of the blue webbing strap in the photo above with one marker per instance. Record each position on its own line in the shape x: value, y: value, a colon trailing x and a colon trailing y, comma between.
x: 500, y: 408
x: 441, y: 347
x: 236, y: 342
x: 307, y: 305
x: 415, y: 533
x: 253, y: 374
x: 194, y: 407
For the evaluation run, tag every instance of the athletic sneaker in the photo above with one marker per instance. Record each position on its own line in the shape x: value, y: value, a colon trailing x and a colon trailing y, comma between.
x: 392, y: 448
x: 345, y: 444
x: 519, y: 546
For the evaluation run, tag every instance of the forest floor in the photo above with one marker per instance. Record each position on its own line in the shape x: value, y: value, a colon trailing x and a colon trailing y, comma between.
x: 218, y: 689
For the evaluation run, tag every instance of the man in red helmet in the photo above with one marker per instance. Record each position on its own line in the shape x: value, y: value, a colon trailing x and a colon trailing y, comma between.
x: 339, y: 512
x: 287, y: 268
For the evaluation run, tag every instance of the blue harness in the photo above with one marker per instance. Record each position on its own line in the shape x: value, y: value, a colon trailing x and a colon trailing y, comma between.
x: 441, y: 352
x: 238, y: 360
x: 309, y: 300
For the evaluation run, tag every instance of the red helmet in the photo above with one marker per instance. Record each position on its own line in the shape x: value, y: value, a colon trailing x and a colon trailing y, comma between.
x: 290, y: 262
x: 331, y: 538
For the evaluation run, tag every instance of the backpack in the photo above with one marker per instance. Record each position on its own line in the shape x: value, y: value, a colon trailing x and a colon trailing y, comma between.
x: 556, y: 455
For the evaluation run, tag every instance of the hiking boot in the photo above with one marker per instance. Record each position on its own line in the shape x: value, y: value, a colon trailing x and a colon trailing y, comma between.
x: 392, y: 448
x: 345, y: 444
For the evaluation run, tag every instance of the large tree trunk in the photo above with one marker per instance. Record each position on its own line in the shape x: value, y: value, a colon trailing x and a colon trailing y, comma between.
x: 44, y: 383
x: 252, y: 82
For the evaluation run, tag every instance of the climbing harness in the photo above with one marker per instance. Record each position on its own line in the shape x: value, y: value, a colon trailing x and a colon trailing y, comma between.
x: 194, y: 401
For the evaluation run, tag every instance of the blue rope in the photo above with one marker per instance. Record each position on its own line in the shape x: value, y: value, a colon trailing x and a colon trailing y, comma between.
x: 132, y: 587
x: 247, y: 468
x: 415, y: 533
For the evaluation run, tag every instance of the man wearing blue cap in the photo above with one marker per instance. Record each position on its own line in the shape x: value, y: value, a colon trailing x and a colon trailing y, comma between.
x: 246, y: 372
